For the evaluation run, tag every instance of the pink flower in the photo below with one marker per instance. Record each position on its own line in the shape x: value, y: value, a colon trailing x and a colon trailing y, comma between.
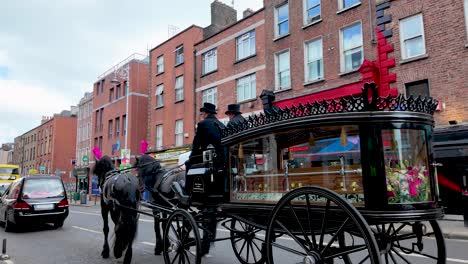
x: 390, y: 194
x: 413, y: 191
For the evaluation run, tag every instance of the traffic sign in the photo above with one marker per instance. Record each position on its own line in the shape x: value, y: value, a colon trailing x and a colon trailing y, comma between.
x: 42, y: 168
x: 85, y: 158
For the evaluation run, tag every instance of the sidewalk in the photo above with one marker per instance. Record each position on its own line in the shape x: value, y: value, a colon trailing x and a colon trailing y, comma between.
x: 453, y: 227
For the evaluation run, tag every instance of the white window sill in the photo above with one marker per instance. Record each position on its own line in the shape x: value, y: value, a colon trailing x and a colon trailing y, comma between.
x: 282, y: 90
x: 314, y: 81
x: 420, y: 57
x: 247, y: 100
x: 311, y: 24
x: 348, y: 72
x: 281, y: 37
x: 348, y: 8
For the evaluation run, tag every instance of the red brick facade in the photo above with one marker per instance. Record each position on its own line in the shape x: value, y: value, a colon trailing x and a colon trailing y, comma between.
x: 172, y: 109
x: 230, y: 68
x: 445, y: 62
x: 111, y: 110
x: 55, y: 146
x: 335, y: 82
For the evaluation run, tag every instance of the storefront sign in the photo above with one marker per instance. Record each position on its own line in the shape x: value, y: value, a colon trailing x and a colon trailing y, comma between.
x: 169, y: 155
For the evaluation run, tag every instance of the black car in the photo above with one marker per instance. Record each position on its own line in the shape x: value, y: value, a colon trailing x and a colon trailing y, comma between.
x: 34, y: 200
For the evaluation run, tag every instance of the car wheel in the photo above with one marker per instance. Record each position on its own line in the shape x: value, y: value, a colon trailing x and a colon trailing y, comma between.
x: 9, y: 226
x: 58, y: 224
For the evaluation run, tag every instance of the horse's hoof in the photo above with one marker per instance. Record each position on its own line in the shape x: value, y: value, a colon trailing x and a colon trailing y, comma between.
x: 105, y: 253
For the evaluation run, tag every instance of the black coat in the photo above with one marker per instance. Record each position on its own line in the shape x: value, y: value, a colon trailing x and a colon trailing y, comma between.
x: 207, y: 133
x: 237, y: 119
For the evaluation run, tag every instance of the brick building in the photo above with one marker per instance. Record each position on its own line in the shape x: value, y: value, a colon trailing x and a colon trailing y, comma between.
x: 230, y: 66
x: 120, y: 107
x: 56, y: 145
x: 316, y: 48
x: 25, y: 151
x: 172, y: 94
x: 83, y: 140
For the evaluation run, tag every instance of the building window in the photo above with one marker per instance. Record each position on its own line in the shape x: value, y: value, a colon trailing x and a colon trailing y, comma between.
x: 351, y: 47
x: 179, y: 55
x: 419, y: 88
x: 210, y: 96
x: 111, y: 94
x: 117, y: 127
x: 124, y: 125
x: 110, y: 127
x: 412, y: 37
x: 101, y: 127
x: 283, y: 80
x: 179, y: 88
x: 210, y: 61
x: 100, y: 143
x: 159, y: 95
x: 179, y: 133
x: 160, y: 64
x: 159, y: 136
x: 102, y: 85
x: 98, y: 86
x: 117, y: 91
x: 246, y: 45
x: 246, y: 88
x: 347, y: 3
x: 125, y: 90
x: 282, y: 20
x: 313, y: 60
x: 311, y: 11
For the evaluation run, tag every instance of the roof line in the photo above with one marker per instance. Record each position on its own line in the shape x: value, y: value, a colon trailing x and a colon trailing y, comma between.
x: 167, y: 40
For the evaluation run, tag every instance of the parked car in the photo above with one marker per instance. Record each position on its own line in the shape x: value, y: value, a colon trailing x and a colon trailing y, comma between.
x: 34, y: 200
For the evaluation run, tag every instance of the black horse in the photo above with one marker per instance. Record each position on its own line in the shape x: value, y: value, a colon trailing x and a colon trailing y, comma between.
x: 124, y: 189
x: 160, y: 187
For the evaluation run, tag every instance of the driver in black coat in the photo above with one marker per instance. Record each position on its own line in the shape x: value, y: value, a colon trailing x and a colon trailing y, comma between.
x: 235, y: 115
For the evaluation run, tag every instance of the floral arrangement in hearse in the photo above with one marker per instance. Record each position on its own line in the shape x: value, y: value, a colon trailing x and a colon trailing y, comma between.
x: 407, y: 183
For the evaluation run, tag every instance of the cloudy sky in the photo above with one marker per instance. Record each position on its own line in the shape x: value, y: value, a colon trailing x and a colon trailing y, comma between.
x: 51, y: 51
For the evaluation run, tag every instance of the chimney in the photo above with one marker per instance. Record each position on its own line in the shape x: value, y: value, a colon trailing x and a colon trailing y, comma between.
x: 247, y: 12
x: 222, y: 16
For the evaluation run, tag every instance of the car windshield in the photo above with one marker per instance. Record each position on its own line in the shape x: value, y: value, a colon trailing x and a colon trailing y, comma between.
x: 43, y: 188
x: 8, y: 171
x: 3, y: 187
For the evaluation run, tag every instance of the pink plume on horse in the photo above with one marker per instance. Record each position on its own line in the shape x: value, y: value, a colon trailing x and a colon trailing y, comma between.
x: 97, y: 153
x: 143, y: 146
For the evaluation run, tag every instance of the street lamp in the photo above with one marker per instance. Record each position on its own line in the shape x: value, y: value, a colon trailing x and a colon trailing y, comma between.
x: 124, y: 73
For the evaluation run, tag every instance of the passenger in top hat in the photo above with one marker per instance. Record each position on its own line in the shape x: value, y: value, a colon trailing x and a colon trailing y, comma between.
x: 234, y: 113
x: 207, y: 132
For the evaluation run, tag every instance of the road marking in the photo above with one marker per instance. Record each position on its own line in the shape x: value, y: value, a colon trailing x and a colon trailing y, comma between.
x: 87, y: 230
x: 448, y: 259
x: 149, y: 243
x: 86, y: 213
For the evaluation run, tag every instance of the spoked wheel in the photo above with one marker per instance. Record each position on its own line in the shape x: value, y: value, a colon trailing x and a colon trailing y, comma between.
x: 182, y: 239
x: 247, y: 245
x: 305, y: 226
x: 410, y: 242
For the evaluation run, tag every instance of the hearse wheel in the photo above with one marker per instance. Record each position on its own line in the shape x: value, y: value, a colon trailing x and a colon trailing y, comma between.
x: 182, y: 243
x: 248, y: 247
x: 306, y: 223
x: 406, y: 242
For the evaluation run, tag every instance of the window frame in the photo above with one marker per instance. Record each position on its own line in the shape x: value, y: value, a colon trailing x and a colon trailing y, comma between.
x: 341, y: 5
x: 252, y: 78
x: 211, y: 57
x: 159, y: 137
x: 404, y: 56
x: 277, y: 22
x: 110, y: 126
x: 412, y: 84
x: 178, y: 89
x: 111, y: 94
x: 342, y: 50
x: 246, y: 37
x: 307, y: 62
x: 117, y: 126
x: 124, y: 124
x: 306, y: 9
x: 277, y: 73
x: 213, y: 92
x: 179, y: 55
x: 159, y: 95
x: 179, y: 133
x: 160, y: 64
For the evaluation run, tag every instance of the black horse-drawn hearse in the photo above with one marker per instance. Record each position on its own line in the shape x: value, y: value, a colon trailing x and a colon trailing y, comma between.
x: 340, y: 181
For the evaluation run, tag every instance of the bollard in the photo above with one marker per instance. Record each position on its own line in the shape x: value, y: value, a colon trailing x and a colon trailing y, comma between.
x: 4, y: 258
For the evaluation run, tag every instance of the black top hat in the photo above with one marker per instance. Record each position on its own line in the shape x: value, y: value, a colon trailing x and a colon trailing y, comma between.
x: 208, y: 108
x: 233, y: 109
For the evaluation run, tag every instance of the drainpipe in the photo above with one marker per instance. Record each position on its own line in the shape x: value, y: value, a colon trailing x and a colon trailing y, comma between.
x: 371, y: 21
x: 194, y: 90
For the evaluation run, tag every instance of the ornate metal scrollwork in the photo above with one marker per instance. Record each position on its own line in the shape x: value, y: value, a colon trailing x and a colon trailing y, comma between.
x: 368, y: 101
